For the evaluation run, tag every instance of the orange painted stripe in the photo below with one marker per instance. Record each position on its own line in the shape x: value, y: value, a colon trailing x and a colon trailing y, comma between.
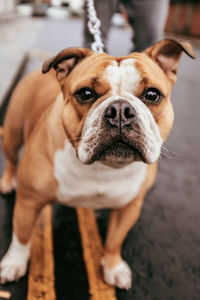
x: 92, y: 253
x: 41, y: 273
x: 5, y: 294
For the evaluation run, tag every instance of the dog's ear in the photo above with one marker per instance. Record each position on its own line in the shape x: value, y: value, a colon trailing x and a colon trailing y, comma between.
x: 167, y: 54
x: 65, y: 61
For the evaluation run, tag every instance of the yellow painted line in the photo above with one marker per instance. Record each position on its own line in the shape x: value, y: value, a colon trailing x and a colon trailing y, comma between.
x: 5, y: 294
x: 41, y: 273
x: 92, y: 252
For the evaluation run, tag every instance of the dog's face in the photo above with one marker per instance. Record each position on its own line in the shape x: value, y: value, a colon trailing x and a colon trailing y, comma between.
x: 118, y: 110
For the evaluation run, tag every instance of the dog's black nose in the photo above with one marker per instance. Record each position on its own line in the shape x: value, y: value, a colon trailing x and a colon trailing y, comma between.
x: 120, y: 114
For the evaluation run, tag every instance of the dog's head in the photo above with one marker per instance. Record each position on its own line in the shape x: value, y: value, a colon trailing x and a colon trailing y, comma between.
x: 118, y: 110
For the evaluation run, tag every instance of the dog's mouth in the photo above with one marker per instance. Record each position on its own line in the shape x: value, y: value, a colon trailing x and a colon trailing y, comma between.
x: 120, y: 150
x: 117, y: 153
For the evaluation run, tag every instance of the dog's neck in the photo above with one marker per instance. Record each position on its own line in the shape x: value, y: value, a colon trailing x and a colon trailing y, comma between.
x: 95, y: 185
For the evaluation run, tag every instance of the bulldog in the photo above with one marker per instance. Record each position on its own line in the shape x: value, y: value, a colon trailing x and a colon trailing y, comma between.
x: 93, y: 127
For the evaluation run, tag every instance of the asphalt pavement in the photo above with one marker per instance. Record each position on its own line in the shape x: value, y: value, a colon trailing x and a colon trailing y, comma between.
x: 163, y: 248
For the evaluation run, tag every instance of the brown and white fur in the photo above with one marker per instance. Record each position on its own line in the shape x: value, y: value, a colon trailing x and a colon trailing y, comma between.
x: 100, y: 152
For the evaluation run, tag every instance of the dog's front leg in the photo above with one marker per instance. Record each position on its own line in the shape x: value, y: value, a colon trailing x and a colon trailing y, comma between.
x: 14, y: 264
x: 116, y: 271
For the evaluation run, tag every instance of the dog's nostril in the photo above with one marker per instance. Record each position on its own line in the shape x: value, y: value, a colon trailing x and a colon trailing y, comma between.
x: 111, y: 113
x: 128, y: 114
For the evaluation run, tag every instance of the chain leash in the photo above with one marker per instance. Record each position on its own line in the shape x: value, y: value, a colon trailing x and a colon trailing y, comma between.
x: 94, y: 25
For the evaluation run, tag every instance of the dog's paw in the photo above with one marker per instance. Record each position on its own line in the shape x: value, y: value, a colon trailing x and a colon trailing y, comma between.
x: 13, y: 266
x: 12, y: 269
x: 7, y: 186
x: 119, y: 276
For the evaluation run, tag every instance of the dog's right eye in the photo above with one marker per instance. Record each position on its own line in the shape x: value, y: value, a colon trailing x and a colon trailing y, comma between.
x: 85, y: 95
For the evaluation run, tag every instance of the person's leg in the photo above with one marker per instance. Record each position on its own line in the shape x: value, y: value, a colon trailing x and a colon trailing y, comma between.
x: 147, y: 18
x: 105, y: 10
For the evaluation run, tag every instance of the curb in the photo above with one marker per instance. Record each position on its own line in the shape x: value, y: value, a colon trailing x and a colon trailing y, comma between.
x: 11, y: 67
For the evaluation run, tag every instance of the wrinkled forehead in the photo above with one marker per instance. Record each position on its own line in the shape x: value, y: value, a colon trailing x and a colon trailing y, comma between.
x: 131, y: 73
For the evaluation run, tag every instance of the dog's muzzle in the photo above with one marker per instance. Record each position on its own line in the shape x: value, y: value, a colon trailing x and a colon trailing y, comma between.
x: 118, y: 132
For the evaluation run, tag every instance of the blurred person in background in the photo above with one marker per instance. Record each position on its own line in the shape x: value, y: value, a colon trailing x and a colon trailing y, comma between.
x: 146, y: 17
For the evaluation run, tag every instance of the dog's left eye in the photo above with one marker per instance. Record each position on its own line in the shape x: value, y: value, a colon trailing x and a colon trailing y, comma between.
x: 86, y: 95
x: 152, y: 94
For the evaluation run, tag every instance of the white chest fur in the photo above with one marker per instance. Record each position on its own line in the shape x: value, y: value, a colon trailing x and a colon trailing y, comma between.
x: 95, y: 186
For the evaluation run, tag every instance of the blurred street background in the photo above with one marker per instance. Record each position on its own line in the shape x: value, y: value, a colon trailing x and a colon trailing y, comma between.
x: 40, y: 28
x: 163, y: 248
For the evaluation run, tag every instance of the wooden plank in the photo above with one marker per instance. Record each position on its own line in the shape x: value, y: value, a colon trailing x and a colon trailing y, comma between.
x: 41, y: 273
x: 92, y: 252
x: 5, y: 294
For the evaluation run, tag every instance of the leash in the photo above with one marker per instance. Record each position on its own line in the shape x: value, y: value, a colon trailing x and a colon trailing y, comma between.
x: 94, y: 25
